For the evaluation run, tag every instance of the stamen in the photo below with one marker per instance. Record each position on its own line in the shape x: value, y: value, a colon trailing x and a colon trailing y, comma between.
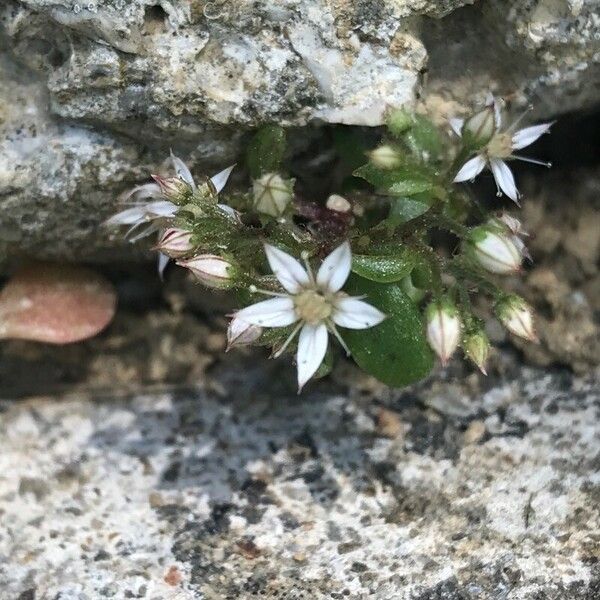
x: 331, y: 326
x: 311, y: 276
x: 289, y: 339
x: 534, y: 161
x: 519, y: 119
x: 254, y: 290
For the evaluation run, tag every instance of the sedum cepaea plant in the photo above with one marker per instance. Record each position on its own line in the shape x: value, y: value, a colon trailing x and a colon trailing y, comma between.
x: 360, y: 268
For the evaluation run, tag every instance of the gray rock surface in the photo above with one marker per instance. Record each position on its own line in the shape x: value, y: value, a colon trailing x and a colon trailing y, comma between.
x: 435, y: 493
x: 92, y: 94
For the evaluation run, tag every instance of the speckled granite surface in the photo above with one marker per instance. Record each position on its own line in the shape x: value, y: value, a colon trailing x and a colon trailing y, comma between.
x: 428, y: 494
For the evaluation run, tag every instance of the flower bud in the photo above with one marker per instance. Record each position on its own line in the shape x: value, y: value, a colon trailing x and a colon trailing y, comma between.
x: 443, y: 328
x: 175, y: 243
x: 517, y: 316
x: 338, y: 203
x: 213, y: 271
x: 514, y: 225
x: 494, y: 250
x: 173, y: 188
x: 272, y: 194
x: 385, y: 157
x: 479, y: 129
x: 398, y: 121
x: 477, y: 347
x: 240, y: 333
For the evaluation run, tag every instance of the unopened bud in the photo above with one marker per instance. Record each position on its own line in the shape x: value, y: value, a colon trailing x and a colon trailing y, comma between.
x: 443, y: 328
x: 240, y: 333
x: 175, y: 243
x: 272, y: 194
x: 386, y: 157
x: 517, y: 316
x: 479, y: 129
x: 398, y: 121
x: 477, y: 347
x: 211, y: 270
x: 338, y: 203
x: 173, y: 188
x: 494, y: 250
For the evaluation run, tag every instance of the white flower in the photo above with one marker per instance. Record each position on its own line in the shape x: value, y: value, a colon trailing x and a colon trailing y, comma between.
x: 498, y: 149
x: 156, y: 213
x: 495, y: 250
x: 211, y: 270
x: 315, y: 304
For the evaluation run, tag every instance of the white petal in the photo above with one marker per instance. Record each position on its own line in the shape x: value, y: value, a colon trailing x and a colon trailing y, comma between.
x: 182, y: 171
x: 220, y: 179
x: 163, y: 261
x: 356, y: 314
x: 492, y: 101
x: 275, y: 312
x: 335, y: 269
x: 129, y: 216
x: 161, y: 208
x: 504, y: 178
x: 287, y: 269
x: 470, y: 169
x: 142, y: 192
x: 528, y: 135
x: 312, y: 346
x: 456, y: 124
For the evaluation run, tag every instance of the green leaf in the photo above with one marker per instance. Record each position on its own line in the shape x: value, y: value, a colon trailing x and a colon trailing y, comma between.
x: 384, y: 269
x: 265, y: 150
x: 423, y: 138
x: 404, y: 181
x: 403, y: 210
x: 395, y: 351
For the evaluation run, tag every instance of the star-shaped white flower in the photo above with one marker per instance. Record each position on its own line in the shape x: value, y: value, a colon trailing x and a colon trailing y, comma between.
x: 498, y: 150
x: 314, y: 304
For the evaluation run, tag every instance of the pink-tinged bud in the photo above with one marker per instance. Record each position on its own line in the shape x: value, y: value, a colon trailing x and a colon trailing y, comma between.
x: 211, y: 270
x: 443, y: 328
x: 386, y: 157
x: 494, y: 250
x: 272, y: 194
x: 517, y: 316
x: 240, y: 333
x: 175, y: 243
x: 477, y: 348
x: 479, y: 129
x: 173, y: 188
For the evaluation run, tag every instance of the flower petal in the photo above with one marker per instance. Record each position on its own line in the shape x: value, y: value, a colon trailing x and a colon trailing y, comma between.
x: 142, y: 192
x: 287, y: 269
x: 470, y: 169
x: 128, y: 216
x: 456, y: 125
x: 356, y: 314
x: 335, y: 269
x: 504, y: 179
x: 160, y: 208
x: 275, y: 312
x: 163, y: 261
x: 182, y: 171
x: 492, y: 101
x: 220, y: 179
x: 528, y: 135
x: 312, y: 346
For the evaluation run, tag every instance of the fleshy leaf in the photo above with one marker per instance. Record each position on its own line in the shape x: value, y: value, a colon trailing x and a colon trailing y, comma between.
x: 395, y: 351
x: 265, y: 150
x: 404, y: 181
x: 403, y: 210
x: 384, y: 269
x: 56, y: 304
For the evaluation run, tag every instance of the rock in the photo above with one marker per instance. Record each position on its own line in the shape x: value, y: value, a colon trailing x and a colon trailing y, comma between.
x: 93, y: 94
x: 504, y: 502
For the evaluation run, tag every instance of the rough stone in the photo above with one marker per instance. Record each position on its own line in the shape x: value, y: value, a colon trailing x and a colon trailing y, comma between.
x: 93, y: 94
x: 259, y: 494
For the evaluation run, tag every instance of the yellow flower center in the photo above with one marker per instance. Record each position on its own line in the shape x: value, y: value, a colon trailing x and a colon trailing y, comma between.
x: 312, y: 306
x: 500, y: 146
